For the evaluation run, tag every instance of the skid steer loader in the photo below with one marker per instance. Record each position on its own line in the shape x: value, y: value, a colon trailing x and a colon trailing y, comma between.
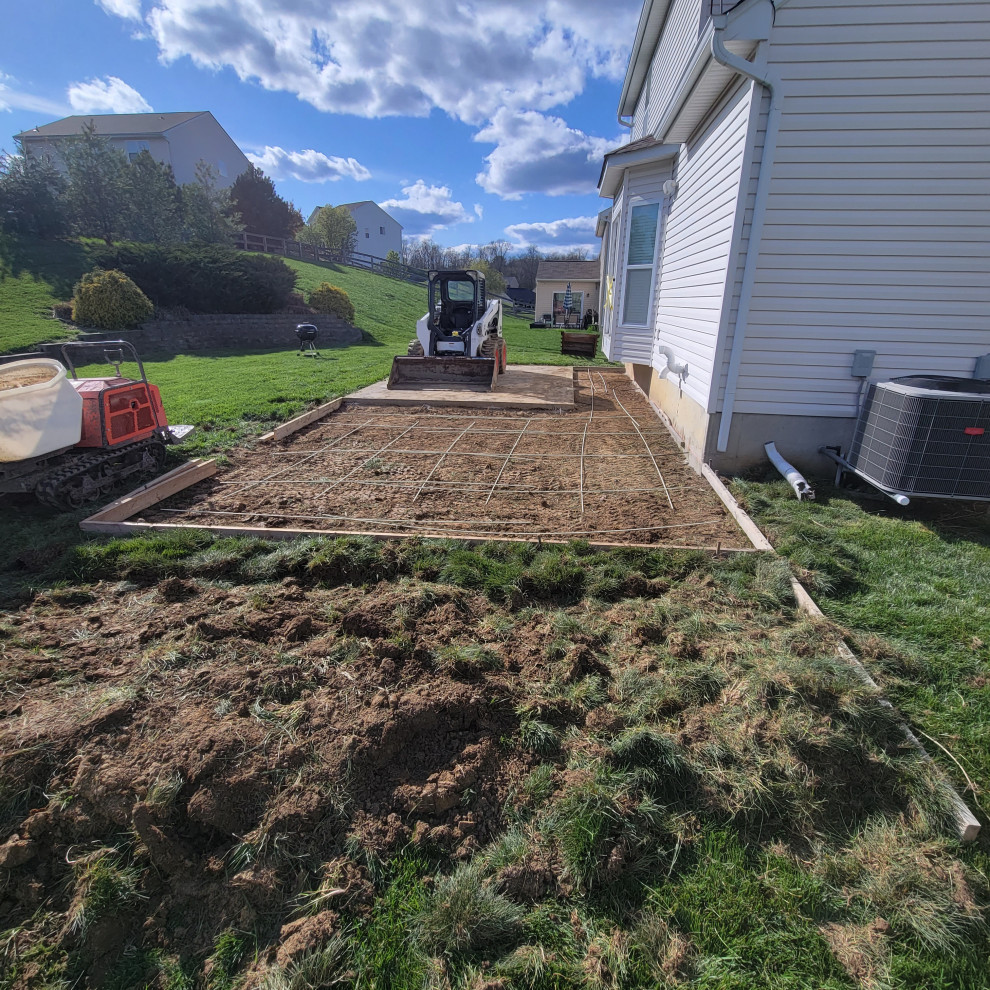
x: 459, y: 342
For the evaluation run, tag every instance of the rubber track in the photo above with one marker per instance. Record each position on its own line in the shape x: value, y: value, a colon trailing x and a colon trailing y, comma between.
x: 55, y: 489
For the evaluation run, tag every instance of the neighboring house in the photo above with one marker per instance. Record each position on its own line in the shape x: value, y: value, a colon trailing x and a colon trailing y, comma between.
x: 552, y: 278
x: 178, y: 139
x: 805, y: 179
x: 377, y: 232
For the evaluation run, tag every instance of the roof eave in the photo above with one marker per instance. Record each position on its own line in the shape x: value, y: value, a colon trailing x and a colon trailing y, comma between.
x: 616, y: 163
x: 601, y: 223
x: 651, y: 21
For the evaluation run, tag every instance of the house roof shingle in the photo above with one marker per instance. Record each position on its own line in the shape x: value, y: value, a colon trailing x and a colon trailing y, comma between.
x: 568, y: 271
x: 113, y: 124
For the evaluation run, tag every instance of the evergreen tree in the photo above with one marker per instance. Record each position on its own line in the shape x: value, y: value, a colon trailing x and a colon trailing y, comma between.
x: 30, y: 195
x: 208, y: 214
x: 261, y: 209
x: 156, y: 204
x: 98, y: 196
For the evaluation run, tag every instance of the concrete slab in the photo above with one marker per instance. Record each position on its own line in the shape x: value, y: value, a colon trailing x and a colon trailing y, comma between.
x: 522, y: 386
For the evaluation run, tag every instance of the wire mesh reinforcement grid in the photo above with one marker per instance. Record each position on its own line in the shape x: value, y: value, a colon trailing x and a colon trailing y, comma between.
x: 608, y: 471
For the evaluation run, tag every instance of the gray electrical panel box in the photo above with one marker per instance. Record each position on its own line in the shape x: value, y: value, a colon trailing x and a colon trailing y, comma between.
x: 982, y: 369
x: 862, y: 364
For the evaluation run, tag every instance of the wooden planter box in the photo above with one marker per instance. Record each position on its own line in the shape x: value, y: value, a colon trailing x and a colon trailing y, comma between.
x: 579, y: 343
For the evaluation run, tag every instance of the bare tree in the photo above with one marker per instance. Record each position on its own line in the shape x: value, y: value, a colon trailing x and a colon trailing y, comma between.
x: 428, y: 254
x: 496, y: 254
x: 524, y: 267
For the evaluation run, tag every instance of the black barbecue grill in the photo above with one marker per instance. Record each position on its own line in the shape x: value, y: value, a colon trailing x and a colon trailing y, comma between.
x: 306, y: 332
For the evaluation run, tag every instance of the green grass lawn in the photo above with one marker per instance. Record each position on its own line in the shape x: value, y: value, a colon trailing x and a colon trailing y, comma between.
x: 708, y: 799
x: 34, y: 275
x: 912, y: 588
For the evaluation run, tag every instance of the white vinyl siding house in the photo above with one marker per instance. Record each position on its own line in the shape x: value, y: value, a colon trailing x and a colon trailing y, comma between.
x: 879, y: 209
x: 692, y: 284
x: 869, y: 218
x: 181, y: 140
x: 377, y: 232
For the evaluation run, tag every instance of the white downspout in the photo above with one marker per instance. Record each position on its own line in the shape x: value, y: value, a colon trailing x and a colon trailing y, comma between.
x: 772, y: 85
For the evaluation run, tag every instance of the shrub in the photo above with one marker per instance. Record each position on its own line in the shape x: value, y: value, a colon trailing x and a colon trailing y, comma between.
x: 328, y: 298
x: 297, y: 304
x: 208, y: 278
x: 62, y: 311
x: 109, y: 300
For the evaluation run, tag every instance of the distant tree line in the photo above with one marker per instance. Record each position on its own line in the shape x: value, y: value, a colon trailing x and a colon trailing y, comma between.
x: 494, y: 259
x: 101, y: 192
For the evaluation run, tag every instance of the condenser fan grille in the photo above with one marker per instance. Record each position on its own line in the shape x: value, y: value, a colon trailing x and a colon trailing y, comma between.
x: 926, y: 436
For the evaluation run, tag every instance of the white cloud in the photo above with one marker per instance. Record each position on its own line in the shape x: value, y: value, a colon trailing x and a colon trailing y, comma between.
x: 128, y: 9
x: 374, y: 59
x: 556, y: 235
x: 541, y: 154
x: 12, y: 99
x: 426, y: 209
x: 308, y: 166
x: 107, y: 95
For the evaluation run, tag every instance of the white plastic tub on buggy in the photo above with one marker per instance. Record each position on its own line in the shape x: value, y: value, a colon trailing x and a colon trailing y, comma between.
x: 40, y: 411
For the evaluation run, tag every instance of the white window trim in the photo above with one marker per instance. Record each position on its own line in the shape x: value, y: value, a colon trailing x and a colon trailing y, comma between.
x: 624, y: 266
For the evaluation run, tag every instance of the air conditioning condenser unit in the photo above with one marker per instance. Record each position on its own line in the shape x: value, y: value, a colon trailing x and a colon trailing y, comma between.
x: 925, y: 436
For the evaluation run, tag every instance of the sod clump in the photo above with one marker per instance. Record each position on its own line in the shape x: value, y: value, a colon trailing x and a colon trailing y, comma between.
x: 342, y: 773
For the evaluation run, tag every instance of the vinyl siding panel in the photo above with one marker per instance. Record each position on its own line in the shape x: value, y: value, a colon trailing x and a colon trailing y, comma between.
x: 202, y: 138
x: 877, y: 230
x: 634, y: 345
x: 677, y: 41
x: 698, y: 240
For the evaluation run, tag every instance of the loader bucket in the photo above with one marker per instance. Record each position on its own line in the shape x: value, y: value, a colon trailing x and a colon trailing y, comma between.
x: 477, y: 374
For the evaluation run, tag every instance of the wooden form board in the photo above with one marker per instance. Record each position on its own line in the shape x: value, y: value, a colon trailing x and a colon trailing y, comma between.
x: 297, y: 423
x: 150, y: 494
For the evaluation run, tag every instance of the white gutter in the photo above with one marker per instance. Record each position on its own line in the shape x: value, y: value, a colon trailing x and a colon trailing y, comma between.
x: 772, y: 85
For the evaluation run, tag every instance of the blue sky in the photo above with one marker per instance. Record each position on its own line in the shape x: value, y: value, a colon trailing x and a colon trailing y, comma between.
x: 468, y: 121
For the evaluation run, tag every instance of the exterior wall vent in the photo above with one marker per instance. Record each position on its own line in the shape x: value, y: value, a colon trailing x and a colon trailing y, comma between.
x: 926, y: 436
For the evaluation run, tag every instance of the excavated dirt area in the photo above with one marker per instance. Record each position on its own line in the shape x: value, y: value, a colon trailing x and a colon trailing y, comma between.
x: 217, y: 784
x: 608, y: 472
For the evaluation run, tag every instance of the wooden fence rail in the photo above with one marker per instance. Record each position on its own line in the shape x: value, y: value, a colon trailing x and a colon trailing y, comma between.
x: 313, y: 252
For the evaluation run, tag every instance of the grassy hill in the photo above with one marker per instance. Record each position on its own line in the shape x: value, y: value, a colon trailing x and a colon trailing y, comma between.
x: 34, y: 275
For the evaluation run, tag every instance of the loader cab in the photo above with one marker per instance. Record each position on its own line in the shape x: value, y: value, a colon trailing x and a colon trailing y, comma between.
x: 457, y: 302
